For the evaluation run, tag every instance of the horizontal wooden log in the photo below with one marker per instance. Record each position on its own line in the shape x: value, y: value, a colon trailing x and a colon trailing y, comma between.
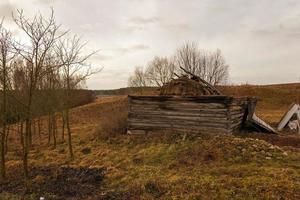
x: 235, y: 108
x: 235, y: 125
x: 177, y: 123
x: 179, y: 104
x: 141, y: 126
x: 237, y: 111
x: 198, y: 99
x: 175, y: 107
x: 170, y: 113
x: 238, y: 115
x: 178, y: 130
x: 135, y: 108
x: 198, y: 113
x: 169, y: 118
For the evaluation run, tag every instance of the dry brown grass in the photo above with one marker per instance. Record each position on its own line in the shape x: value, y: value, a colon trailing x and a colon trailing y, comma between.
x: 170, y: 166
x: 273, y: 100
x: 113, y: 121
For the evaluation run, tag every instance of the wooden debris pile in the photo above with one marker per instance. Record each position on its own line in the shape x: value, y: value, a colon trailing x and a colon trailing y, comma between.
x: 291, y: 119
x: 185, y: 86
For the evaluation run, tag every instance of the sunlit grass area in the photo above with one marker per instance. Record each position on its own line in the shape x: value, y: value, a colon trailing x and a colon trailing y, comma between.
x: 164, y: 165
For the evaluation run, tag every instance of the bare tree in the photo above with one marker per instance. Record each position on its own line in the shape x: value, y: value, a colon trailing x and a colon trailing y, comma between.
x: 42, y: 34
x: 139, y: 78
x: 210, y: 66
x: 75, y: 70
x: 188, y: 59
x: 217, y: 69
x: 5, y: 58
x: 160, y: 71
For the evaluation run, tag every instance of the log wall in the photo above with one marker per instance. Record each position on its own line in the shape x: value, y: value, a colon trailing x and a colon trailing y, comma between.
x: 211, y: 114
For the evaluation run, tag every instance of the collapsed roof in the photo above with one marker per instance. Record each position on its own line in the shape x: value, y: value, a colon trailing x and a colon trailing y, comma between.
x: 185, y: 86
x: 192, y: 85
x: 188, y: 85
x: 291, y: 118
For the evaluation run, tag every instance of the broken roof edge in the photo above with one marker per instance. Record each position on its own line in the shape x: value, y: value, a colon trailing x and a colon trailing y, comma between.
x: 293, y: 109
x: 262, y: 125
x: 254, y: 120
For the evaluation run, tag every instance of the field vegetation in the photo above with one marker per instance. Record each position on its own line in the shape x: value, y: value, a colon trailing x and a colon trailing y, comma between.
x: 109, y: 164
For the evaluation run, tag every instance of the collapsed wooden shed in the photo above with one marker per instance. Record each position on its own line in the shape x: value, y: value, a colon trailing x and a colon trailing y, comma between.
x: 190, y: 104
x: 207, y: 114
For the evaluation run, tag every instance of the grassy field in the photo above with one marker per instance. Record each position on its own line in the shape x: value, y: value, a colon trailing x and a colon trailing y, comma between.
x: 164, y: 165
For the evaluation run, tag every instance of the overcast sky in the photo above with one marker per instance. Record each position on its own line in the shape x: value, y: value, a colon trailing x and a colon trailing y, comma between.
x: 260, y: 39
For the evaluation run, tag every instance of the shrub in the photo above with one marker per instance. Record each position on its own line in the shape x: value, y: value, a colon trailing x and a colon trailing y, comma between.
x: 114, y: 121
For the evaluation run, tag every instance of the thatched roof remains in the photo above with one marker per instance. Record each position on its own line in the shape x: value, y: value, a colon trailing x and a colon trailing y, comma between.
x: 188, y: 86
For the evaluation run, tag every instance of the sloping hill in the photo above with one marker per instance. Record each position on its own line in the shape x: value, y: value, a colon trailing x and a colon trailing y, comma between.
x: 273, y: 100
x: 160, y: 166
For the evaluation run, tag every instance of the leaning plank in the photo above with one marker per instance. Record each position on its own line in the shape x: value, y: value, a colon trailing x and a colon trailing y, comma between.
x: 287, y: 116
x: 261, y: 124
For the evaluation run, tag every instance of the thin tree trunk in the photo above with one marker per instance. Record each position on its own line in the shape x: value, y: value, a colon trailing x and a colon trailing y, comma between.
x: 3, y: 134
x: 6, y: 139
x: 26, y: 148
x: 69, y: 135
x: 49, y: 128
x: 54, y: 130
x: 39, y: 130
x: 21, y: 134
x: 63, y: 127
x: 34, y: 127
x: 68, y: 116
x: 2, y: 149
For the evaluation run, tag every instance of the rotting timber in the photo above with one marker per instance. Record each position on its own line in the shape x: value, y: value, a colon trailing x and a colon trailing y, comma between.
x: 201, y: 113
x: 190, y: 104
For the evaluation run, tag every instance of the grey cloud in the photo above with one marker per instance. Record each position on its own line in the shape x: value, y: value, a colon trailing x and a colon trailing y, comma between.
x: 256, y: 35
x: 144, y: 20
x: 140, y: 23
x: 133, y: 49
x: 6, y: 10
x: 281, y: 30
x: 102, y: 57
x: 178, y: 27
x: 47, y: 2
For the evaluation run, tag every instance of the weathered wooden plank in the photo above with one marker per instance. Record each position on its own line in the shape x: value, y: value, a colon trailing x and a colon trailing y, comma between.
x: 143, y: 126
x: 169, y: 112
x: 135, y: 108
x: 293, y: 110
x: 235, y: 108
x: 174, y: 107
x: 178, y: 104
x: 203, y: 99
x: 186, y: 114
x: 208, y: 131
x: 177, y: 123
x: 179, y: 98
x: 237, y: 111
x: 238, y: 115
x: 235, y: 125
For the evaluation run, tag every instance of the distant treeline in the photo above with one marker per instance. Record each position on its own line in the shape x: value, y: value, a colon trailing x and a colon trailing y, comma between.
x: 79, y: 97
x: 128, y: 91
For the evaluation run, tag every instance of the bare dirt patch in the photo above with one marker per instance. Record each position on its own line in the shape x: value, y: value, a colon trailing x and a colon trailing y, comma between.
x: 59, y: 182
